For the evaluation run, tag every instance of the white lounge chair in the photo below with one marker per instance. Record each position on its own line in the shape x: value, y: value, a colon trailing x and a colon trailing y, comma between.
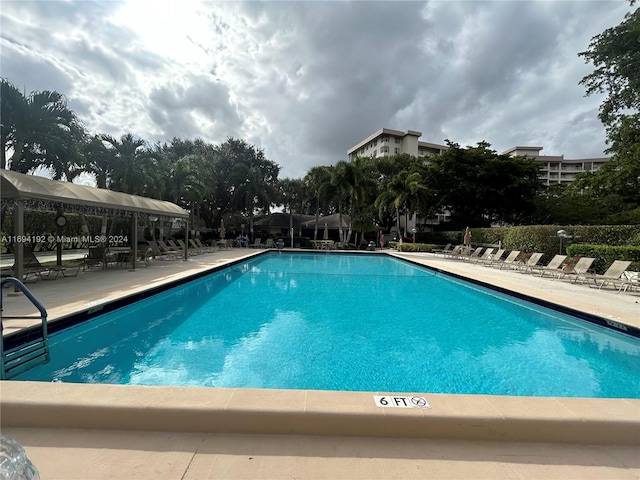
x: 531, y: 262
x: 554, y: 266
x: 493, y: 258
x: 575, y: 271
x: 612, y: 275
x: 509, y: 262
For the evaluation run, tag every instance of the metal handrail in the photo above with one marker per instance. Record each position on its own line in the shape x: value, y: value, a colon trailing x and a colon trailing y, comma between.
x: 35, y: 302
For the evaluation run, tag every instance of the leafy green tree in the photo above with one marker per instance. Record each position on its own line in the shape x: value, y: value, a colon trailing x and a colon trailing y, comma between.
x: 479, y: 186
x: 615, y: 54
x: 252, y: 179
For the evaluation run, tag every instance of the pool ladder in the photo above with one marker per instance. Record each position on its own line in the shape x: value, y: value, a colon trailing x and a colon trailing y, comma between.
x: 35, y: 351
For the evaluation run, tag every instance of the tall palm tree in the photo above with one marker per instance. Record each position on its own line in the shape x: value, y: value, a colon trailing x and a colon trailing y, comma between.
x: 40, y: 130
x: 188, y: 183
x: 99, y: 160
x: 292, y: 195
x: 252, y: 191
x: 403, y: 194
x: 135, y: 168
x: 317, y: 181
x: 355, y: 184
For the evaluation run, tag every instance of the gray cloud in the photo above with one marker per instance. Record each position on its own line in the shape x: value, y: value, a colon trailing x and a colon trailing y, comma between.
x: 306, y: 80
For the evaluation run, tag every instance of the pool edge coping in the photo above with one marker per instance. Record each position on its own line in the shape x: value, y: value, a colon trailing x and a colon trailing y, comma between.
x: 314, y: 412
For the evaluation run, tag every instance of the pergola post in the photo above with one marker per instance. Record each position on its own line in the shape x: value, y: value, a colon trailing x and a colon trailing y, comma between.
x: 134, y: 240
x: 186, y: 239
x: 18, y: 250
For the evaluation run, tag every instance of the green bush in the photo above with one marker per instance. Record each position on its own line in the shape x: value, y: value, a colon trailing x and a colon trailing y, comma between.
x: 605, y: 255
x: 544, y: 238
x: 416, y: 247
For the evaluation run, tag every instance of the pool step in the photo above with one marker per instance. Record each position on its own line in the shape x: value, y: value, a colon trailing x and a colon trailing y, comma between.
x: 34, y: 351
x: 25, y: 357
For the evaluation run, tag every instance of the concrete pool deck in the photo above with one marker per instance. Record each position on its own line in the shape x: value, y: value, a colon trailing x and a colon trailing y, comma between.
x: 109, y: 431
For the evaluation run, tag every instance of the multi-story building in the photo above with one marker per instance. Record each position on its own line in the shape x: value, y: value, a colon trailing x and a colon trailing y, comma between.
x: 555, y: 168
x: 387, y: 142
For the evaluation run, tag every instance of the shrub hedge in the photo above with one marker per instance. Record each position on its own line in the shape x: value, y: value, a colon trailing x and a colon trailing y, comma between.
x: 603, y: 242
x: 605, y: 255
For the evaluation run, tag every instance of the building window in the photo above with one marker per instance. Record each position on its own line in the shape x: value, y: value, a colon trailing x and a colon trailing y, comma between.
x: 397, y: 140
x: 384, y: 150
x: 375, y: 153
x: 397, y: 150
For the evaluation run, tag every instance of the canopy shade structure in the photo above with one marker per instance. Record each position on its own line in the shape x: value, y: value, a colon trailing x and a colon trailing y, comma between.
x: 18, y: 186
x: 32, y: 191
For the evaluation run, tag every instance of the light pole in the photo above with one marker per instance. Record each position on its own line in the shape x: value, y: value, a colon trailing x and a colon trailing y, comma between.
x: 413, y: 230
x: 561, y: 234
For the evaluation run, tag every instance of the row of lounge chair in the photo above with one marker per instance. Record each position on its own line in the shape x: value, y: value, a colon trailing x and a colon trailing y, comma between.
x: 580, y: 271
x: 33, y: 270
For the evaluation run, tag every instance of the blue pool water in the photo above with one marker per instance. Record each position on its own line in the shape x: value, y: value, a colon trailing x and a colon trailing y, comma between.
x: 345, y: 322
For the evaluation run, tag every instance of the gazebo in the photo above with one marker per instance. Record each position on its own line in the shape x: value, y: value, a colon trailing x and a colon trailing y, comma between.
x: 20, y: 191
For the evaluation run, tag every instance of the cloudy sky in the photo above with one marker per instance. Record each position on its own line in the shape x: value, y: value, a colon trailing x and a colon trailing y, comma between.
x: 307, y: 80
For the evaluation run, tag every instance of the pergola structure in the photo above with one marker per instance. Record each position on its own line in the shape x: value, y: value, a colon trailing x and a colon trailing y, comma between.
x: 20, y: 191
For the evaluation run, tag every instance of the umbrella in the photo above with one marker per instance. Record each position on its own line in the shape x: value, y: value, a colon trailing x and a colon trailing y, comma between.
x: 326, y: 232
x: 222, y: 232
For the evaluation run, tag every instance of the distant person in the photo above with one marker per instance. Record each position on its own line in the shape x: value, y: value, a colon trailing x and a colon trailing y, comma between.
x: 381, y: 241
x: 467, y: 238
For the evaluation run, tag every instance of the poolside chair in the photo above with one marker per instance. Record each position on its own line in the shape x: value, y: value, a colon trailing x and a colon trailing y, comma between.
x: 270, y: 243
x: 31, y: 267
x: 509, y: 262
x: 573, y: 271
x: 629, y: 279
x: 167, y: 248
x: 456, y: 252
x: 190, y: 250
x: 482, y: 258
x: 257, y: 243
x: 531, y: 262
x: 96, y: 255
x: 203, y: 248
x: 612, y: 275
x: 442, y: 251
x: 492, y: 258
x: 554, y: 266
x: 173, y: 245
x: 475, y: 254
x: 162, y: 253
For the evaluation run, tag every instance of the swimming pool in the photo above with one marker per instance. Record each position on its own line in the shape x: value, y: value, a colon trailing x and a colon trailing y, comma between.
x: 345, y: 322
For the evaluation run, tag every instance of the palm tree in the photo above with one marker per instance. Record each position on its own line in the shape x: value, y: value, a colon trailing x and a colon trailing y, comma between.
x: 41, y: 130
x: 403, y: 194
x: 317, y: 181
x: 135, y: 168
x: 187, y: 184
x: 356, y: 185
x: 292, y: 193
x: 99, y: 160
x: 252, y: 192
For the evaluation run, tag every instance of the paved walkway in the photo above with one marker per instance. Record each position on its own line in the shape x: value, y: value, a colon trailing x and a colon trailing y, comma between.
x: 103, y: 453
